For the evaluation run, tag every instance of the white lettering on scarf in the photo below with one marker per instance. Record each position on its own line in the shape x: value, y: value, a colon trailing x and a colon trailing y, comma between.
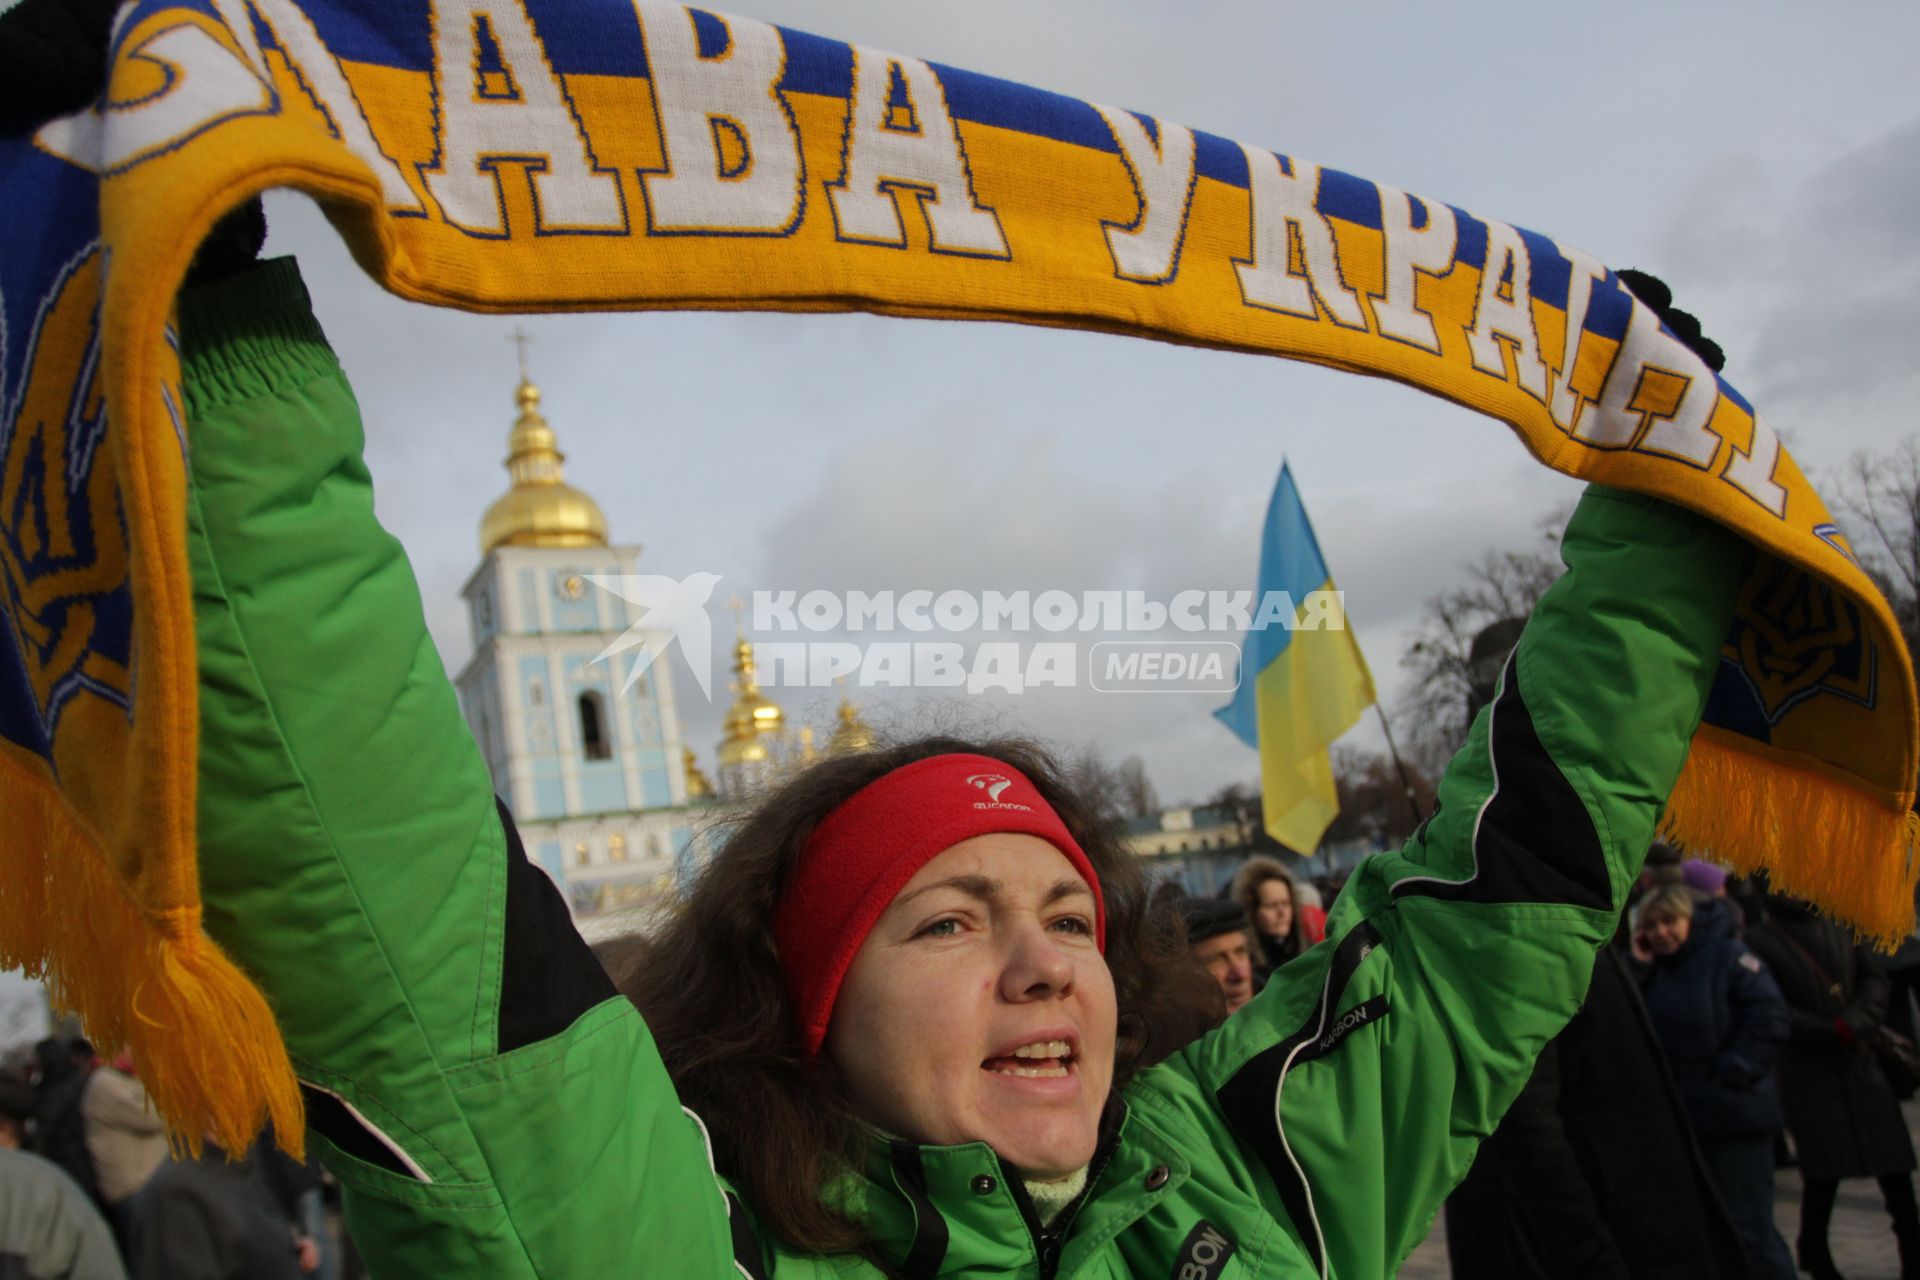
x: 1658, y: 396
x: 901, y: 141
x: 1284, y: 207
x: 490, y: 122
x: 1751, y: 470
x: 732, y: 152
x: 1148, y: 248
x: 1429, y: 249
x: 325, y: 82
x: 1505, y: 311
x: 204, y: 84
x: 1567, y: 404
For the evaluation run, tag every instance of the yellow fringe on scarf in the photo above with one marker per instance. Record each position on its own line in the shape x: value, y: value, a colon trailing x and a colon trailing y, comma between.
x: 1752, y: 812
x: 206, y: 1045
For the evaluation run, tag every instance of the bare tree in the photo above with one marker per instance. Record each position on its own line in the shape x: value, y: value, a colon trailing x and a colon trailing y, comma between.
x: 1373, y: 800
x: 1115, y: 793
x: 1500, y: 586
x: 1878, y: 497
x: 1136, y: 788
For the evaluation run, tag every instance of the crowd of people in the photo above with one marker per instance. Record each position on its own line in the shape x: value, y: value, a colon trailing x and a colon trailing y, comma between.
x: 91, y: 1190
x: 1729, y: 1030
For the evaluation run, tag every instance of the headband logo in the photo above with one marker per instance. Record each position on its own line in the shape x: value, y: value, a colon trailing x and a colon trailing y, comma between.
x: 993, y: 784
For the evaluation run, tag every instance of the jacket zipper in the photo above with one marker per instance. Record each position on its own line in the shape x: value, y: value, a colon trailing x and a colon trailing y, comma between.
x: 1049, y: 1240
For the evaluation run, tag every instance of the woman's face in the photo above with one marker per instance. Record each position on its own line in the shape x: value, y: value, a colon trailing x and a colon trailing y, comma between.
x: 980, y: 1009
x: 1665, y: 934
x: 1275, y: 912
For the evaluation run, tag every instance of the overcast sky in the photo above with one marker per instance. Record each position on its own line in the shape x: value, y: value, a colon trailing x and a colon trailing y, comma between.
x: 1763, y: 158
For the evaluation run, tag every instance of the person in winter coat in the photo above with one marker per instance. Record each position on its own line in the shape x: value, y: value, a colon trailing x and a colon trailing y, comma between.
x: 1594, y: 1173
x: 49, y: 1228
x: 1720, y: 1018
x: 903, y: 1023
x: 1845, y: 1121
x: 126, y: 1138
x: 59, y: 1129
x: 1221, y: 942
x: 1281, y: 925
x: 213, y: 1218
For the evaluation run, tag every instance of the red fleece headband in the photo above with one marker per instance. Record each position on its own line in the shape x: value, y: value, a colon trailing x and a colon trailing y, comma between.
x: 865, y: 851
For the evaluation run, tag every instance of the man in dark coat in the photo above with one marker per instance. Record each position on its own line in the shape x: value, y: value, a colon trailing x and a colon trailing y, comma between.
x: 59, y: 1130
x: 1845, y: 1121
x: 1594, y: 1173
x: 211, y: 1218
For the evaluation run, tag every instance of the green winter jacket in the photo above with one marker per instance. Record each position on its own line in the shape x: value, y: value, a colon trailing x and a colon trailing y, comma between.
x: 494, y: 1109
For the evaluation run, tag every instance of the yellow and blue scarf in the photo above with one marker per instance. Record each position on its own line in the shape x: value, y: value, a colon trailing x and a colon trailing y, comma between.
x: 533, y: 155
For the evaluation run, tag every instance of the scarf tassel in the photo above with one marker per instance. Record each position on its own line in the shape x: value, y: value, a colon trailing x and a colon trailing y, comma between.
x: 207, y: 1046
x: 1814, y: 837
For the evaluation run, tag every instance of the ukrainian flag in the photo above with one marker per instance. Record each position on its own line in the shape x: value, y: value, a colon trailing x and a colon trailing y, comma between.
x: 1301, y: 685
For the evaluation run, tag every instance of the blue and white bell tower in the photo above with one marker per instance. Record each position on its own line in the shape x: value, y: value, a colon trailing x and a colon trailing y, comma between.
x: 598, y: 781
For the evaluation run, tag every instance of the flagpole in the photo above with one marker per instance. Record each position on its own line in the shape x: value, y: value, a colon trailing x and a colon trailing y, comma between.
x: 1406, y: 782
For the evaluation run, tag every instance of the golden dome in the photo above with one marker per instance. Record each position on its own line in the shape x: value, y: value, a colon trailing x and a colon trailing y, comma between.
x: 699, y: 786
x: 851, y: 735
x: 753, y: 717
x: 541, y: 509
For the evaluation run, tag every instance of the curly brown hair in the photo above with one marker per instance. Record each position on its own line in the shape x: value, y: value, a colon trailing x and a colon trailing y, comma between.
x: 1253, y: 873
x: 710, y: 987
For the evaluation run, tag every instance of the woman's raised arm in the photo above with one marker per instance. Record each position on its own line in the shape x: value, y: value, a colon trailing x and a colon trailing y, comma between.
x: 492, y: 1107
x: 1354, y: 1089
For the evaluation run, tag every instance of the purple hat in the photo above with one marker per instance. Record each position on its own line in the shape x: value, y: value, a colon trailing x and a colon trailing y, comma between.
x: 1703, y: 877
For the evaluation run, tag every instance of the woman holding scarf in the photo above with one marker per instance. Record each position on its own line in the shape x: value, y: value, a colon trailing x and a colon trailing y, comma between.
x: 902, y: 1025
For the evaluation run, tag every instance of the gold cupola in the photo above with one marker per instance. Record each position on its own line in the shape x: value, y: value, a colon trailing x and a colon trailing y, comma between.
x: 753, y: 719
x: 699, y: 786
x: 541, y: 509
x: 852, y: 734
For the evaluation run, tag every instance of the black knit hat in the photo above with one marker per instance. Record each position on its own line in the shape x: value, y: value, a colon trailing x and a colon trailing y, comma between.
x: 1210, y: 917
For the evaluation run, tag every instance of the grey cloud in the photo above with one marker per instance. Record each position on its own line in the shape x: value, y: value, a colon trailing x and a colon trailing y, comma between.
x: 1814, y: 288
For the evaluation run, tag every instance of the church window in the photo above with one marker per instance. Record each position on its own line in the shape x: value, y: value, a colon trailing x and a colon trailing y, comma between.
x: 616, y: 848
x: 593, y: 726
x: 536, y: 693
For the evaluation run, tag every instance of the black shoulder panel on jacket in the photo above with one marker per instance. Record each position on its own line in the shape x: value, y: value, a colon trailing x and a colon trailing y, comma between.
x: 548, y: 976
x: 1535, y: 841
x: 1250, y: 1099
x: 930, y: 1235
x: 746, y: 1246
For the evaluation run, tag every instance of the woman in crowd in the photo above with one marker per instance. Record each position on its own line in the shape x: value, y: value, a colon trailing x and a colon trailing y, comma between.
x: 1845, y: 1120
x: 1271, y: 896
x: 910, y: 998
x: 1721, y: 1020
x: 900, y: 1026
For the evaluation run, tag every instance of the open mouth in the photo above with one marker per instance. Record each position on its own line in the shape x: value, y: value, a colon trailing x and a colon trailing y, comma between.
x: 1041, y: 1059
